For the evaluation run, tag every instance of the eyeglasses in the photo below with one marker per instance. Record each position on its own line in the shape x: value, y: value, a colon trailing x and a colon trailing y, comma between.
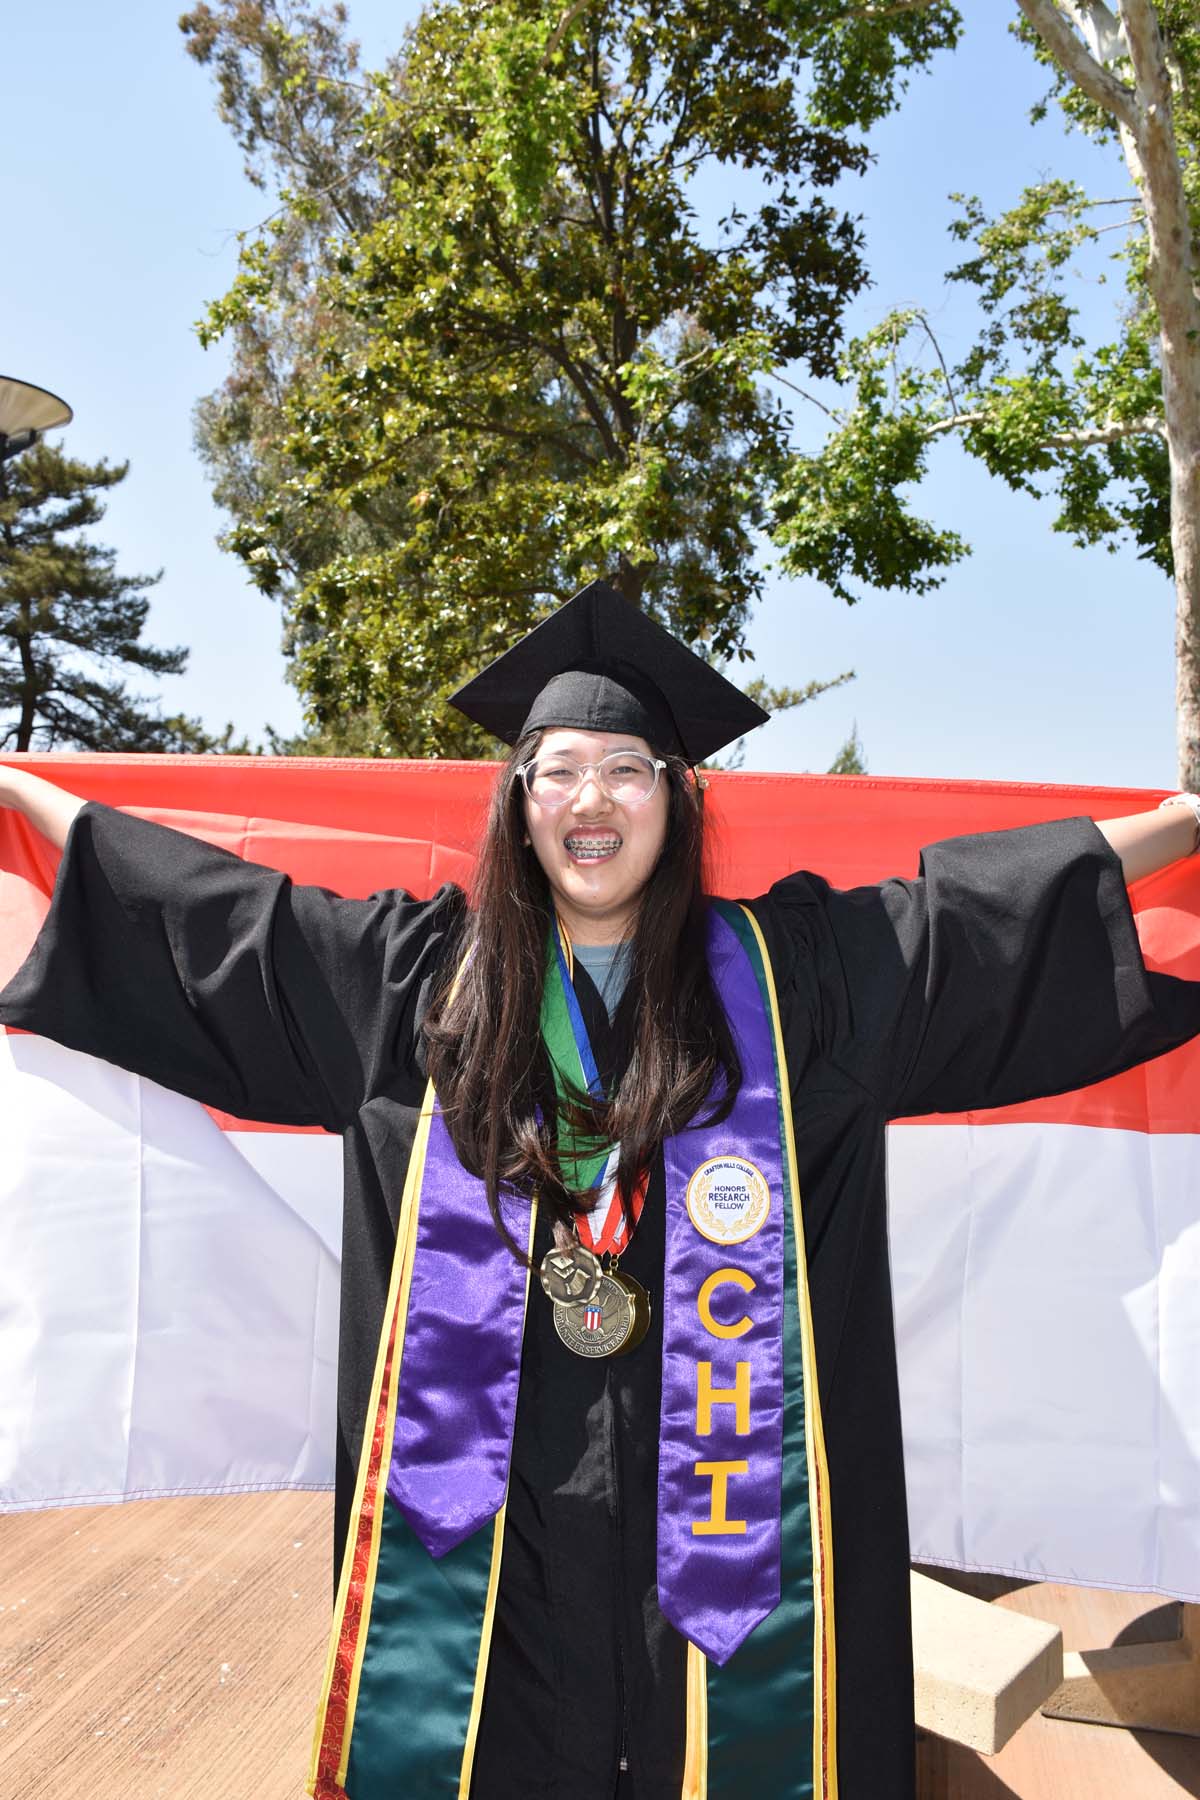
x: 625, y: 776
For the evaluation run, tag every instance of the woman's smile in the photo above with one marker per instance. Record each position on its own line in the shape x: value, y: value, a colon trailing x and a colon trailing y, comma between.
x: 592, y: 846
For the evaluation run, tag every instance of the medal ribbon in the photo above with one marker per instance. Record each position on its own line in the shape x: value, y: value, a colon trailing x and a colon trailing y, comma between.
x: 573, y: 1065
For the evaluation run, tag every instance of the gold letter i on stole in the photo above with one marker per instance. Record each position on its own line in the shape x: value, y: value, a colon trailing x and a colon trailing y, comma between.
x: 717, y: 1525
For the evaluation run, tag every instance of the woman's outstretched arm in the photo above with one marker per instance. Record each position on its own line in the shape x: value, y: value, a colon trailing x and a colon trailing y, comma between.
x: 1148, y: 841
x: 50, y: 809
x: 218, y: 976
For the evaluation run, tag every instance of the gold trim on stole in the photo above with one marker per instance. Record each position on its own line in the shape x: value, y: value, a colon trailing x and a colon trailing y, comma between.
x: 825, y: 1780
x: 398, y: 1291
x: 695, y: 1760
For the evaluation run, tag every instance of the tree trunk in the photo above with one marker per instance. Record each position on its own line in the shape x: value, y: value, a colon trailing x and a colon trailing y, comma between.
x: 630, y: 578
x: 29, y: 691
x: 28, y: 673
x: 1185, y: 545
x: 1153, y: 158
x: 1143, y: 118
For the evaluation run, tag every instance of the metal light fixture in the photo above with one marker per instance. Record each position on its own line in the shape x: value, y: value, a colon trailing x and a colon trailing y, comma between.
x: 25, y: 413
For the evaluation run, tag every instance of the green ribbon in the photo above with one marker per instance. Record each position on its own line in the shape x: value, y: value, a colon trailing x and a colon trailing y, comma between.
x: 573, y: 1067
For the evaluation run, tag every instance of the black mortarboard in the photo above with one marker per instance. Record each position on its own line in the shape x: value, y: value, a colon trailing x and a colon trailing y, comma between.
x: 599, y: 664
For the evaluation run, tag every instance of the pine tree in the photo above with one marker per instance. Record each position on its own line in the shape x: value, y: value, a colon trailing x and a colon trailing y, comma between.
x: 851, y: 759
x: 70, y: 623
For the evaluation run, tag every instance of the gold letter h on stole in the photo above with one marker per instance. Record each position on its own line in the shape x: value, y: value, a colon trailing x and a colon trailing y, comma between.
x: 707, y: 1396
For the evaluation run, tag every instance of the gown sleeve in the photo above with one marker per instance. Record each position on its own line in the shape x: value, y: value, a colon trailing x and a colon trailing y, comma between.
x: 222, y: 979
x: 1009, y: 969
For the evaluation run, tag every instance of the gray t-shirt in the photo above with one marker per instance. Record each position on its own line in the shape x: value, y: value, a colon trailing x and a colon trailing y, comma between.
x: 608, y: 966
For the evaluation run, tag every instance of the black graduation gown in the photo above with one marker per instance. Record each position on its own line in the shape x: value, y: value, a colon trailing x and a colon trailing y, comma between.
x: 1009, y: 969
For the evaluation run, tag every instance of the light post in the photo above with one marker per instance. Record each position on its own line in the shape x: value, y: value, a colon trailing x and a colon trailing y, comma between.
x: 25, y: 413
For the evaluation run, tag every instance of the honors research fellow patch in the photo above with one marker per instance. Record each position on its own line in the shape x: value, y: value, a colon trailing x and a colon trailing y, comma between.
x: 728, y: 1199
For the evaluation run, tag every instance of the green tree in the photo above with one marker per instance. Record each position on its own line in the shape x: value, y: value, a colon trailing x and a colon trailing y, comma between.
x: 487, y: 346
x: 1111, y: 428
x: 70, y: 623
x: 851, y: 759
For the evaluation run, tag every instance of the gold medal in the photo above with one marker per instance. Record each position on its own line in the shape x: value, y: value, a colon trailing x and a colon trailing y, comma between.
x: 570, y: 1273
x: 612, y: 1323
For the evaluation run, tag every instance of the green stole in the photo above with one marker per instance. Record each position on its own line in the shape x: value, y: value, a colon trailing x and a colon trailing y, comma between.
x: 403, y: 1690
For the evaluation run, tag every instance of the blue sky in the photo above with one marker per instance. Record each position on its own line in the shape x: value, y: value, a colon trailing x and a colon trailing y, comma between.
x: 1035, y: 661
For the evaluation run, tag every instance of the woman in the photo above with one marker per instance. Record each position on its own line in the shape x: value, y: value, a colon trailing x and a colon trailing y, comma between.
x: 692, y: 1575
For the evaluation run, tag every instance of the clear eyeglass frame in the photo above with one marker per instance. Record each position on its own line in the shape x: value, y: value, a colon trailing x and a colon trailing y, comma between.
x: 655, y: 763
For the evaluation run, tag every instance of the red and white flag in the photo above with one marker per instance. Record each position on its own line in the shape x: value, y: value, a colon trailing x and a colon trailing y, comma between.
x: 169, y: 1278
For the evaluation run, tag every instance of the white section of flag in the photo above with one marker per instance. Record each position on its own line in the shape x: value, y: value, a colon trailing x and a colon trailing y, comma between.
x: 168, y: 1291
x: 1047, y: 1288
x: 168, y: 1320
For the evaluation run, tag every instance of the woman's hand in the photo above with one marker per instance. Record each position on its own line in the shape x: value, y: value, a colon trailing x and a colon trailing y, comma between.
x: 1149, y: 841
x: 50, y: 809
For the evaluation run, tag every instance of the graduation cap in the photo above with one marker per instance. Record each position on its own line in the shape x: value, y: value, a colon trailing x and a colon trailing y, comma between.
x: 599, y: 664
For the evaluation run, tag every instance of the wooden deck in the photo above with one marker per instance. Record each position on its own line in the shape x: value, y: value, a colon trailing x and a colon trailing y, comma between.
x: 172, y: 1650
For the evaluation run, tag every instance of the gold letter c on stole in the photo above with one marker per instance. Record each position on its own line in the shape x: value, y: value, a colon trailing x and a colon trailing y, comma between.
x: 723, y: 1278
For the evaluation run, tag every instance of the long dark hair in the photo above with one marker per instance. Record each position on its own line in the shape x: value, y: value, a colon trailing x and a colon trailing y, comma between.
x: 484, y: 1040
